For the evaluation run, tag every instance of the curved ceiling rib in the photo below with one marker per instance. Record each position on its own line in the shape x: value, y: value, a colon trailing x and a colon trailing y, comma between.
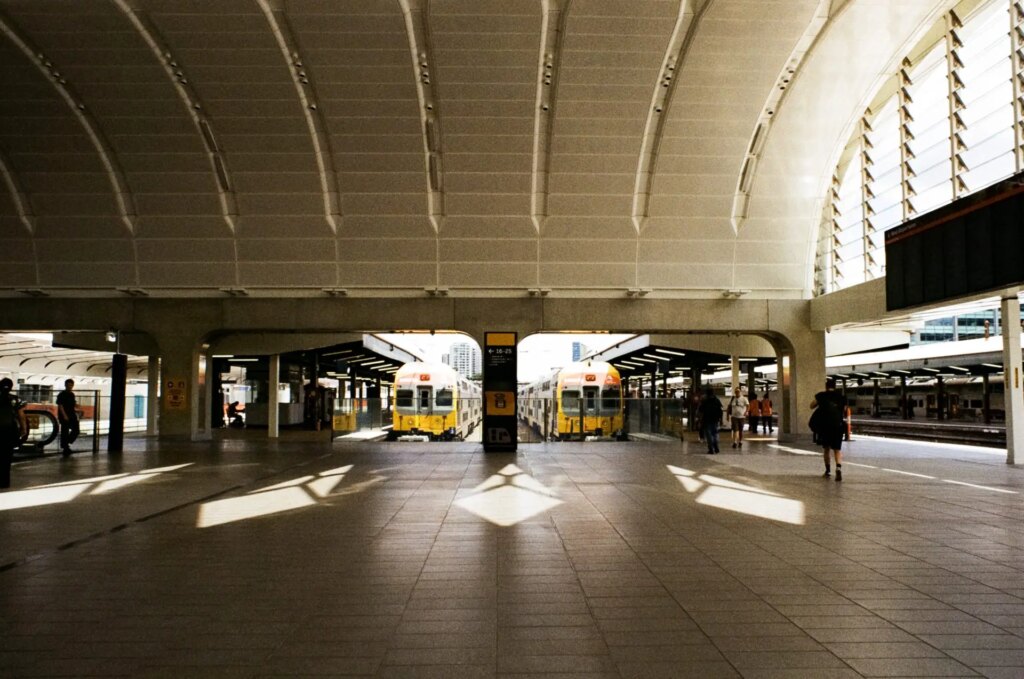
x: 315, y: 121
x: 122, y: 192
x: 190, y: 98
x: 18, y: 194
x: 416, y: 27
x: 825, y: 10
x: 687, y: 23
x: 553, y: 26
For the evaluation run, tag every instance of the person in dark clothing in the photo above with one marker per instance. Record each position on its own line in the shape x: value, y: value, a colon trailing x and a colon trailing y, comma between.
x: 710, y: 411
x: 67, y: 416
x: 12, y: 428
x: 827, y: 424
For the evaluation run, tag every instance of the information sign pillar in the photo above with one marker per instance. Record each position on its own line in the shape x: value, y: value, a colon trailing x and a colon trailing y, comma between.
x: 500, y: 425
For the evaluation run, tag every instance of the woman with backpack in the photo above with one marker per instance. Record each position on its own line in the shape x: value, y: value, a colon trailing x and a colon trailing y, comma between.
x: 12, y: 427
x: 827, y: 425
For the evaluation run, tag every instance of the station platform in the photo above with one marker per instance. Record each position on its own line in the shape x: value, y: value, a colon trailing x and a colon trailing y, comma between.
x: 247, y: 558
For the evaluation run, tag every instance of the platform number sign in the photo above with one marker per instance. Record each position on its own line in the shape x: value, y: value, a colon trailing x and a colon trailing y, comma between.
x: 500, y: 374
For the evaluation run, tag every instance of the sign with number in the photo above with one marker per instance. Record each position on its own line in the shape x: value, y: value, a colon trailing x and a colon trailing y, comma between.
x: 500, y: 374
x: 175, y: 394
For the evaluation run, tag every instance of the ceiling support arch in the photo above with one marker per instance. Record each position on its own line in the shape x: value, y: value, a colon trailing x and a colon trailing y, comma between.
x: 319, y: 134
x: 823, y: 13
x: 418, y: 30
x: 118, y: 182
x: 553, y: 26
x: 687, y: 23
x: 151, y: 35
x: 19, y: 196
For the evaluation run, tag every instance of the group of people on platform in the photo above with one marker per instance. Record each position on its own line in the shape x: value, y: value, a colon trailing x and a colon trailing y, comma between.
x: 829, y: 421
x: 14, y: 426
x: 740, y: 409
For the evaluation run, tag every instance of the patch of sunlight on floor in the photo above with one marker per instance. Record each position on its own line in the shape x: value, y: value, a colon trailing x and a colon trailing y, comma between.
x: 509, y: 497
x: 219, y: 512
x: 739, y: 497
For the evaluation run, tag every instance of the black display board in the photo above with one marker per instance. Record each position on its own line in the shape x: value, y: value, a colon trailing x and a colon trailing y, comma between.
x: 970, y: 246
x: 500, y: 425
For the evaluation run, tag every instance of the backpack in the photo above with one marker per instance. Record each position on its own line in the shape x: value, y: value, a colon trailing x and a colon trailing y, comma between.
x: 8, y: 416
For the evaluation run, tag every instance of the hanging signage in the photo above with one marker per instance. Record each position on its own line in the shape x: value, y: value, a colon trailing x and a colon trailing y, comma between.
x: 500, y: 375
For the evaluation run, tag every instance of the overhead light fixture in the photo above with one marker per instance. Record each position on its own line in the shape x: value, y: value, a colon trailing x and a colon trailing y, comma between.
x: 339, y: 353
x: 336, y: 292
x: 993, y: 365
x: 956, y: 367
x: 235, y: 292
x: 638, y: 292
x: 436, y: 292
x: 244, y: 360
x: 134, y: 292
x: 33, y: 292
x: 734, y: 293
x: 660, y: 358
x: 539, y: 292
x: 645, y: 360
x: 669, y: 351
x: 111, y: 336
x: 931, y: 370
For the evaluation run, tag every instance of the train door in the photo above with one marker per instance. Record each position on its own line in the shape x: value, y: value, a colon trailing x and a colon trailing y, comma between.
x: 590, y: 401
x: 423, y: 394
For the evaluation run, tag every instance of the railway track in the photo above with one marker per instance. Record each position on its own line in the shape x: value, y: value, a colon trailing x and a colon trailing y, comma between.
x: 931, y: 430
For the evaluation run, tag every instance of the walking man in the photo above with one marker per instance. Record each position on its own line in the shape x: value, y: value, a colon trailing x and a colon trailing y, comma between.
x: 737, y: 414
x: 67, y: 416
x: 827, y: 424
x: 710, y: 411
x: 12, y: 428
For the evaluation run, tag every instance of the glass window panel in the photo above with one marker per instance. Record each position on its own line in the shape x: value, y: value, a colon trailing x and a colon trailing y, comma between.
x: 850, y: 235
x: 888, y: 218
x: 983, y: 129
x: 996, y: 145
x: 927, y: 200
x: 849, y: 221
x: 851, y: 273
x: 926, y: 137
x: 992, y: 171
x: 927, y: 159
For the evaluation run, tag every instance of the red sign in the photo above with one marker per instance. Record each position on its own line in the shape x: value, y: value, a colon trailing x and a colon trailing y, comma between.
x: 424, y: 377
x: 591, y: 378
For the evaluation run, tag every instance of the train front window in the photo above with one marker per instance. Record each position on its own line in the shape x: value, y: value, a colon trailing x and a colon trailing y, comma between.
x: 443, y: 401
x: 570, y: 402
x: 611, y: 401
x: 404, y: 400
x: 590, y: 400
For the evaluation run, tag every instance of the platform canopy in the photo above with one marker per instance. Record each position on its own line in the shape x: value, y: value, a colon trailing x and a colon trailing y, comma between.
x: 598, y: 147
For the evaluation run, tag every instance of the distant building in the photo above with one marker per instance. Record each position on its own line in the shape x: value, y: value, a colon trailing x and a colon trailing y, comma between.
x: 579, y: 350
x: 465, y: 359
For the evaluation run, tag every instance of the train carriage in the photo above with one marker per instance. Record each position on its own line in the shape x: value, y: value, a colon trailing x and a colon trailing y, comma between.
x: 433, y: 400
x: 583, y: 399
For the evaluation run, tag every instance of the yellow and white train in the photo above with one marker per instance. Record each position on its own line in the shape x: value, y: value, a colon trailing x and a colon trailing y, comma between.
x: 433, y: 400
x: 581, y: 400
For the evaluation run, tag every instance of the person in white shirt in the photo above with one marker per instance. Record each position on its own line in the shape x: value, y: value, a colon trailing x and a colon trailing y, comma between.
x: 737, y: 408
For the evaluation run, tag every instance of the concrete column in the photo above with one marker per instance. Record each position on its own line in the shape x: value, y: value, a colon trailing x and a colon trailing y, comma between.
x: 735, y: 373
x: 1013, y: 399
x: 751, y: 380
x: 905, y: 407
x: 802, y: 375
x: 273, y: 411
x: 180, y: 375
x: 152, y: 396
x: 986, y: 403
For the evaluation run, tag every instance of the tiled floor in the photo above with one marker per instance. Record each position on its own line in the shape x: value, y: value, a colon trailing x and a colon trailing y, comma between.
x: 567, y: 560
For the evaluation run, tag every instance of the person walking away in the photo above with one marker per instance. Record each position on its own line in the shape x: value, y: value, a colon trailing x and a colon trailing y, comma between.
x: 67, y: 417
x: 767, y: 426
x: 827, y: 424
x: 738, y: 405
x: 12, y: 428
x: 710, y: 411
x: 754, y: 412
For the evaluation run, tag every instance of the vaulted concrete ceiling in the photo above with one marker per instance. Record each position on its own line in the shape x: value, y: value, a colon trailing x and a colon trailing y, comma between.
x: 387, y: 146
